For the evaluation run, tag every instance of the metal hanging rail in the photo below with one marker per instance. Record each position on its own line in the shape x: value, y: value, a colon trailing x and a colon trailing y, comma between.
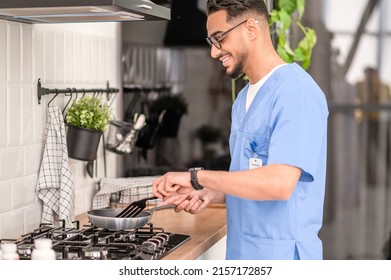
x: 41, y: 91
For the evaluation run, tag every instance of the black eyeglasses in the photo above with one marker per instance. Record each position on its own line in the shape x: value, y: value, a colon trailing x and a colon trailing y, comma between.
x: 215, y: 40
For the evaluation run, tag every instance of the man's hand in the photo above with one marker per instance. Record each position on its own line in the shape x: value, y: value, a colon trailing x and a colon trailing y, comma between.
x: 172, y: 183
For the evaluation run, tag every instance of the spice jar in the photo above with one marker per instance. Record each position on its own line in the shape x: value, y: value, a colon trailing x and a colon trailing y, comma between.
x: 9, y: 251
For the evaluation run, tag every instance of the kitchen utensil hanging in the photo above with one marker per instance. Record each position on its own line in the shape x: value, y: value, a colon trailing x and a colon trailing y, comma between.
x: 123, y: 135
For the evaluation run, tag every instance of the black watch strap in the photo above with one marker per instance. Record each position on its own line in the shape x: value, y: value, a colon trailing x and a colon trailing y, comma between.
x: 193, y: 178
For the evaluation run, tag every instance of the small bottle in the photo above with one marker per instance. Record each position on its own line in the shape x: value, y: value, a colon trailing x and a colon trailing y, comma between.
x: 43, y: 250
x: 9, y: 251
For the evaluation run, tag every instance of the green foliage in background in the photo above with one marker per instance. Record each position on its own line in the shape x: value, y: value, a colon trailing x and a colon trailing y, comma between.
x: 282, y: 17
x: 89, y: 112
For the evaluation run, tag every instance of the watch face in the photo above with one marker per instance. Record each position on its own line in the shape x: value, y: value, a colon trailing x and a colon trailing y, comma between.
x: 196, y: 168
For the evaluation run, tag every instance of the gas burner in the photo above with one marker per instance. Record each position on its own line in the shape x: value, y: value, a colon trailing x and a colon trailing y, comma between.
x: 92, y: 243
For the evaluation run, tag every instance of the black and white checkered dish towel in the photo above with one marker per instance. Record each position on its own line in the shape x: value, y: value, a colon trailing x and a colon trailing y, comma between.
x: 55, y: 185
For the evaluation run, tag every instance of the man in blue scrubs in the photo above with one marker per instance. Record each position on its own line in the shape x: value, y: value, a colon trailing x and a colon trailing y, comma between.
x: 274, y: 190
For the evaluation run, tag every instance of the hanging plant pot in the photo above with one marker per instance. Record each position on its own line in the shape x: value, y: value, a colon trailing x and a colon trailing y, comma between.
x: 83, y: 142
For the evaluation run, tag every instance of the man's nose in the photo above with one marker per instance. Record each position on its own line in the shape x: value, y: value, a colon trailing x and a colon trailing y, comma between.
x: 214, y: 52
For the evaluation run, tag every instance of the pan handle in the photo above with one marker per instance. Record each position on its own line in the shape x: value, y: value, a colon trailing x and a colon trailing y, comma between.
x: 161, y: 207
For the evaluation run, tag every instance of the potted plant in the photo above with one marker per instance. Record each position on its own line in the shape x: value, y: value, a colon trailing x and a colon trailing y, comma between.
x: 86, y: 120
x: 175, y: 106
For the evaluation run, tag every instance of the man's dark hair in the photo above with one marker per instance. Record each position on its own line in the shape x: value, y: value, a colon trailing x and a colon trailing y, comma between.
x: 238, y: 8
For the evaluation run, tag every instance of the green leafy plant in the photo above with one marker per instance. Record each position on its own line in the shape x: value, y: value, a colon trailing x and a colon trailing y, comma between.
x: 282, y: 17
x: 89, y: 112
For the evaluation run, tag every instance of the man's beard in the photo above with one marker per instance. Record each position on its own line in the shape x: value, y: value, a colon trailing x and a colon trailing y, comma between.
x: 237, y: 72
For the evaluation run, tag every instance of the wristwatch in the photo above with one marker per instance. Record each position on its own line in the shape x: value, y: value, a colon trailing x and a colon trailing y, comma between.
x: 193, y: 178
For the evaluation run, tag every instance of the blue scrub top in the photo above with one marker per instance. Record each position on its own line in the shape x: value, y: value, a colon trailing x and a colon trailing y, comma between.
x: 285, y: 124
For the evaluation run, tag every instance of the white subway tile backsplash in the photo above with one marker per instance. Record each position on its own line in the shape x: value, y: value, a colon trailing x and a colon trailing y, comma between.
x: 5, y: 196
x: 3, y: 116
x: 27, y: 54
x: 38, y: 52
x: 3, y: 51
x: 11, y: 224
x: 12, y: 163
x: 32, y: 216
x: 14, y: 115
x: 48, y: 56
x: 112, y: 62
x: 33, y: 158
x: 59, y: 57
x: 79, y: 201
x: 86, y: 59
x: 84, y: 194
x: 23, y: 191
x: 14, y: 51
x: 94, y: 60
x: 78, y: 58
x: 27, y: 98
x: 103, y: 57
x: 68, y: 58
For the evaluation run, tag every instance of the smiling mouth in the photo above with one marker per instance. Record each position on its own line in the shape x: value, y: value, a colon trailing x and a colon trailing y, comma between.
x: 224, y: 59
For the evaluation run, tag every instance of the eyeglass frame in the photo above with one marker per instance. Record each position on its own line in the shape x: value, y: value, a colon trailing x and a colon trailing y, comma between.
x: 215, y: 40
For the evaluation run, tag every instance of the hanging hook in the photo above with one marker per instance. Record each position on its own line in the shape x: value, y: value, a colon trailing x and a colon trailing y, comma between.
x: 57, y: 93
x: 70, y: 93
x: 77, y: 93
x: 112, y: 98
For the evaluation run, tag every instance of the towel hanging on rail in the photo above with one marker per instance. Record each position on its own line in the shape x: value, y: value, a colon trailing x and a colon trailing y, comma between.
x: 55, y: 185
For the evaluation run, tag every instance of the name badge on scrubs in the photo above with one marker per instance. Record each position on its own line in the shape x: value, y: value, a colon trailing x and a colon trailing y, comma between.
x: 255, y: 161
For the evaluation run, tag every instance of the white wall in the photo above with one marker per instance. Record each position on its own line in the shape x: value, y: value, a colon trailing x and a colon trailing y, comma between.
x: 63, y: 55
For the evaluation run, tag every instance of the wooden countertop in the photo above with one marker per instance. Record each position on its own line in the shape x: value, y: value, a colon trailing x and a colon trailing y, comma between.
x: 205, y: 229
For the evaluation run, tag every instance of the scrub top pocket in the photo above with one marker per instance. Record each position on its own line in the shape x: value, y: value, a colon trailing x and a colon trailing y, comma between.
x: 254, y: 147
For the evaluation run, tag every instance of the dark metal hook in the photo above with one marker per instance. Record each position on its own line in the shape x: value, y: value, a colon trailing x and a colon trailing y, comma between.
x: 77, y: 93
x: 57, y: 93
x: 70, y: 93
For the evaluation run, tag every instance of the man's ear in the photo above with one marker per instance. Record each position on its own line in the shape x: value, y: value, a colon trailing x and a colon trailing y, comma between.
x: 252, y: 28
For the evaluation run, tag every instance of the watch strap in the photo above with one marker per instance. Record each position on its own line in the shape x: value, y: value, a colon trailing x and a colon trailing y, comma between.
x: 193, y: 178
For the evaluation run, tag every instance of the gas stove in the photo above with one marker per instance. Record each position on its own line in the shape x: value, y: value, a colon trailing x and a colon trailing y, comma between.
x: 92, y: 243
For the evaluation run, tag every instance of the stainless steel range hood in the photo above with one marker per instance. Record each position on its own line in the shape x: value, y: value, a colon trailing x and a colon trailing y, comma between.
x: 73, y: 11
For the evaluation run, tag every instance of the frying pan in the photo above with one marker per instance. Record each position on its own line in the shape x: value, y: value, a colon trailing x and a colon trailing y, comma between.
x: 105, y: 218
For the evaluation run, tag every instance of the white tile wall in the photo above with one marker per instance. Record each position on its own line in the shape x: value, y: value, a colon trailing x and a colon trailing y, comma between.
x: 61, y: 56
x: 3, y: 52
x: 3, y: 113
x: 27, y: 54
x: 13, y: 53
x: 14, y: 115
x: 5, y: 196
